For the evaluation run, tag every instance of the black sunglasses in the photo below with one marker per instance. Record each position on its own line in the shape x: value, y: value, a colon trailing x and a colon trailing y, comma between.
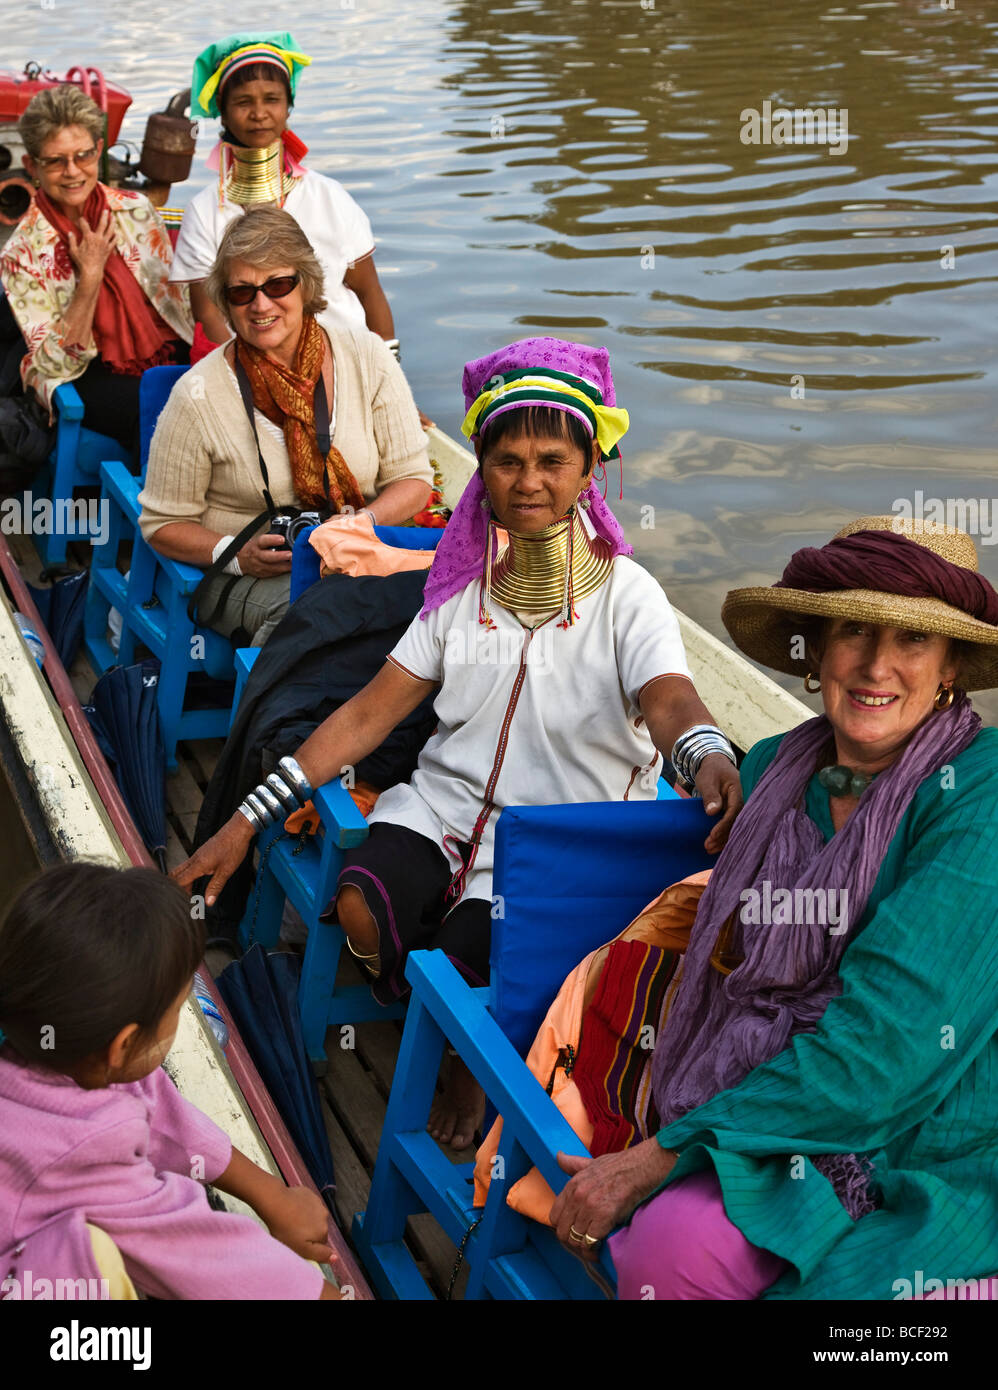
x: 277, y: 288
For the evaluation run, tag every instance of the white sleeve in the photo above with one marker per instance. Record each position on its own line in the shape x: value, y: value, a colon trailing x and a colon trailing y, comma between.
x: 420, y: 651
x: 356, y: 237
x: 195, y: 251
x: 646, y: 633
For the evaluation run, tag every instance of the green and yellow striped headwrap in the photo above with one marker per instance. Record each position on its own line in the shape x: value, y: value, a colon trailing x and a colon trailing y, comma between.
x: 220, y: 60
x: 544, y: 386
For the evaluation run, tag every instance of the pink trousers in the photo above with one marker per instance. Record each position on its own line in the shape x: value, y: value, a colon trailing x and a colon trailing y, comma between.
x: 681, y: 1245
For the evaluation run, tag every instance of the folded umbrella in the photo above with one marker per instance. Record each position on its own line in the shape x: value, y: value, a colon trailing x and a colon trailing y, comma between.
x: 60, y: 607
x: 125, y: 718
x: 261, y: 993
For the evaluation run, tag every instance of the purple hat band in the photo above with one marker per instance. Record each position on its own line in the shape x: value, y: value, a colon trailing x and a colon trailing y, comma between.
x: 530, y: 354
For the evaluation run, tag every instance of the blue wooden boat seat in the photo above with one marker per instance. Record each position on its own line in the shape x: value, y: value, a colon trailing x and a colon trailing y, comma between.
x: 74, y: 462
x: 152, y: 600
x: 567, y: 879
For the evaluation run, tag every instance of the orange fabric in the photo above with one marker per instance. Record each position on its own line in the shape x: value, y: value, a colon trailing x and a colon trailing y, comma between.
x: 348, y: 545
x: 307, y: 817
x: 664, y: 922
x: 286, y: 396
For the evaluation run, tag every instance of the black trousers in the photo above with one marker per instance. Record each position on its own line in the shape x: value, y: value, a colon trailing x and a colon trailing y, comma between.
x: 111, y: 401
x: 404, y: 878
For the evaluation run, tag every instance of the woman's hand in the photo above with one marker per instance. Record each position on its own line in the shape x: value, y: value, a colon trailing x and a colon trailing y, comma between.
x: 603, y: 1192
x: 220, y: 857
x: 90, y: 248
x: 297, y: 1217
x: 721, y: 788
x: 264, y: 557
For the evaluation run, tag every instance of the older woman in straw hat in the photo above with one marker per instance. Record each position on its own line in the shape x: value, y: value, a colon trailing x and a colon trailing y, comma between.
x: 827, y: 1079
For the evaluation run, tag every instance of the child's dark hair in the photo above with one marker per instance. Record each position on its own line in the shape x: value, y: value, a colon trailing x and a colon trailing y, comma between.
x: 252, y: 72
x: 535, y: 419
x: 87, y: 949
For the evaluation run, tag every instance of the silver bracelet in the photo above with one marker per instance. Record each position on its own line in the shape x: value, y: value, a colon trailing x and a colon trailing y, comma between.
x: 297, y: 779
x: 696, y: 744
x: 394, y: 347
x: 283, y: 793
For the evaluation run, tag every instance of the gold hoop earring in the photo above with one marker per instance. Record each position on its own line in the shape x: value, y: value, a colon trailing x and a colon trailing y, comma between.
x: 811, y: 689
x: 944, y: 697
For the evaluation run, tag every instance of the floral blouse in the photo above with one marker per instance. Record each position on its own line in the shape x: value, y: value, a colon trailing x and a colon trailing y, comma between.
x: 40, y: 280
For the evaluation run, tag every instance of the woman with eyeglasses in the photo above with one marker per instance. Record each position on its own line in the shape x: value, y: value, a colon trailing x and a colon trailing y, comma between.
x: 87, y: 271
x: 287, y: 415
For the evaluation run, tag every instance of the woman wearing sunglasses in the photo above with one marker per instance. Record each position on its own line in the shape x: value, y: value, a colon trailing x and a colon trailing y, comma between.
x: 87, y: 271
x: 288, y: 415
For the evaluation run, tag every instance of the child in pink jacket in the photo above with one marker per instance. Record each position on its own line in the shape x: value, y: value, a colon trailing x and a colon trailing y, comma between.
x: 95, y: 965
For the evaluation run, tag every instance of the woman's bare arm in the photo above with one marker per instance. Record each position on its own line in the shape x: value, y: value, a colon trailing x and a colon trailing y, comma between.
x: 338, y: 744
x: 362, y: 278
x: 208, y: 315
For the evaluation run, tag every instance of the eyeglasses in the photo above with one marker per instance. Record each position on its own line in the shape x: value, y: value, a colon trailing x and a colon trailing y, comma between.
x: 277, y: 288
x: 83, y: 159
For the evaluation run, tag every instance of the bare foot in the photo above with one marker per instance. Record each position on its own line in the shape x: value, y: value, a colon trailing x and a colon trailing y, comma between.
x: 459, y: 1110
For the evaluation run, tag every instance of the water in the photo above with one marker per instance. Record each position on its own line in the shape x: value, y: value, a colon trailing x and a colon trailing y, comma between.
x: 576, y: 167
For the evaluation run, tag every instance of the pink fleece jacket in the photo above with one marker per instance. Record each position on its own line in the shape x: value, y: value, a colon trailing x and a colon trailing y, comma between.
x: 124, y: 1156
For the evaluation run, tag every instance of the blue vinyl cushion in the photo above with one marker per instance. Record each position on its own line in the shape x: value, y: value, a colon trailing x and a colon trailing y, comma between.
x: 567, y: 880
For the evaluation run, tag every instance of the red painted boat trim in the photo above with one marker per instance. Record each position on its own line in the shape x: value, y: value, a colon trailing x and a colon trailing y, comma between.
x: 247, y: 1078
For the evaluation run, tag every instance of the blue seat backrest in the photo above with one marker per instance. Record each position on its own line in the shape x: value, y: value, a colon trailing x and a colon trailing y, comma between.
x: 154, y: 391
x: 569, y: 878
x: 305, y: 562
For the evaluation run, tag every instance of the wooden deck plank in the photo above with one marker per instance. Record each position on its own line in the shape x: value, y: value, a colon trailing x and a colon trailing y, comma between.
x: 353, y: 1182
x: 184, y: 798
x: 352, y: 1093
x: 378, y: 1044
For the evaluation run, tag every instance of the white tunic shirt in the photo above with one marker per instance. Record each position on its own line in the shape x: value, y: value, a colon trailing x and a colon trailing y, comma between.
x: 533, y: 718
x: 335, y: 225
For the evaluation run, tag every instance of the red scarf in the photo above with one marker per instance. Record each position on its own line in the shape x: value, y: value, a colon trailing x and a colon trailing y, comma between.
x: 130, y: 335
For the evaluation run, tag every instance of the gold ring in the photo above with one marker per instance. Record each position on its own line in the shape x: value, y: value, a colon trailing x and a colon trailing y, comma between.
x: 591, y: 1240
x: 576, y: 1236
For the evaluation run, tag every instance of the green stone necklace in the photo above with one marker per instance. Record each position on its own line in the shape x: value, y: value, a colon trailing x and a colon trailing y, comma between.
x: 842, y: 781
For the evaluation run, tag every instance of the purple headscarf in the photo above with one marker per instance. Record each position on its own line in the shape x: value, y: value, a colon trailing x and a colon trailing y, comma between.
x: 460, y: 555
x: 721, y: 1027
x: 891, y: 564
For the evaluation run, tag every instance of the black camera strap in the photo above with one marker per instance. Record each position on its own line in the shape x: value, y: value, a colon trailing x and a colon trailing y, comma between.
x: 323, y: 439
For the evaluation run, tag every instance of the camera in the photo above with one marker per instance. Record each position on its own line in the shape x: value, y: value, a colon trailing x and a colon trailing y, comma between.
x: 291, y: 527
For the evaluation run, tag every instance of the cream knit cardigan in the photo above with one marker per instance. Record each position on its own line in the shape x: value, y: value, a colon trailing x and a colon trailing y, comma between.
x: 203, y: 465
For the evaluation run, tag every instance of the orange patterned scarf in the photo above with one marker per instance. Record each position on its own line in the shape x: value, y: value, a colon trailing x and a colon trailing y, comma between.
x: 286, y: 396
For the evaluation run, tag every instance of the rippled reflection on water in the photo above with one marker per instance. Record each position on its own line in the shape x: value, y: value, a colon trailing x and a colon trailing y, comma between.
x: 575, y: 167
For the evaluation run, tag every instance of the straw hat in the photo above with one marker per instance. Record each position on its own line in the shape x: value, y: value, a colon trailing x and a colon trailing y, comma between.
x: 763, y: 621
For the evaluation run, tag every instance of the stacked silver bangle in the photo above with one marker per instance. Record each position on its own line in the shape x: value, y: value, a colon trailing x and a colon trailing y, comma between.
x: 284, y: 792
x: 691, y: 747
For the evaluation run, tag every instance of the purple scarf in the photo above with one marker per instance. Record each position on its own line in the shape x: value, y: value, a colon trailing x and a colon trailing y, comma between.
x: 721, y: 1027
x: 891, y: 564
